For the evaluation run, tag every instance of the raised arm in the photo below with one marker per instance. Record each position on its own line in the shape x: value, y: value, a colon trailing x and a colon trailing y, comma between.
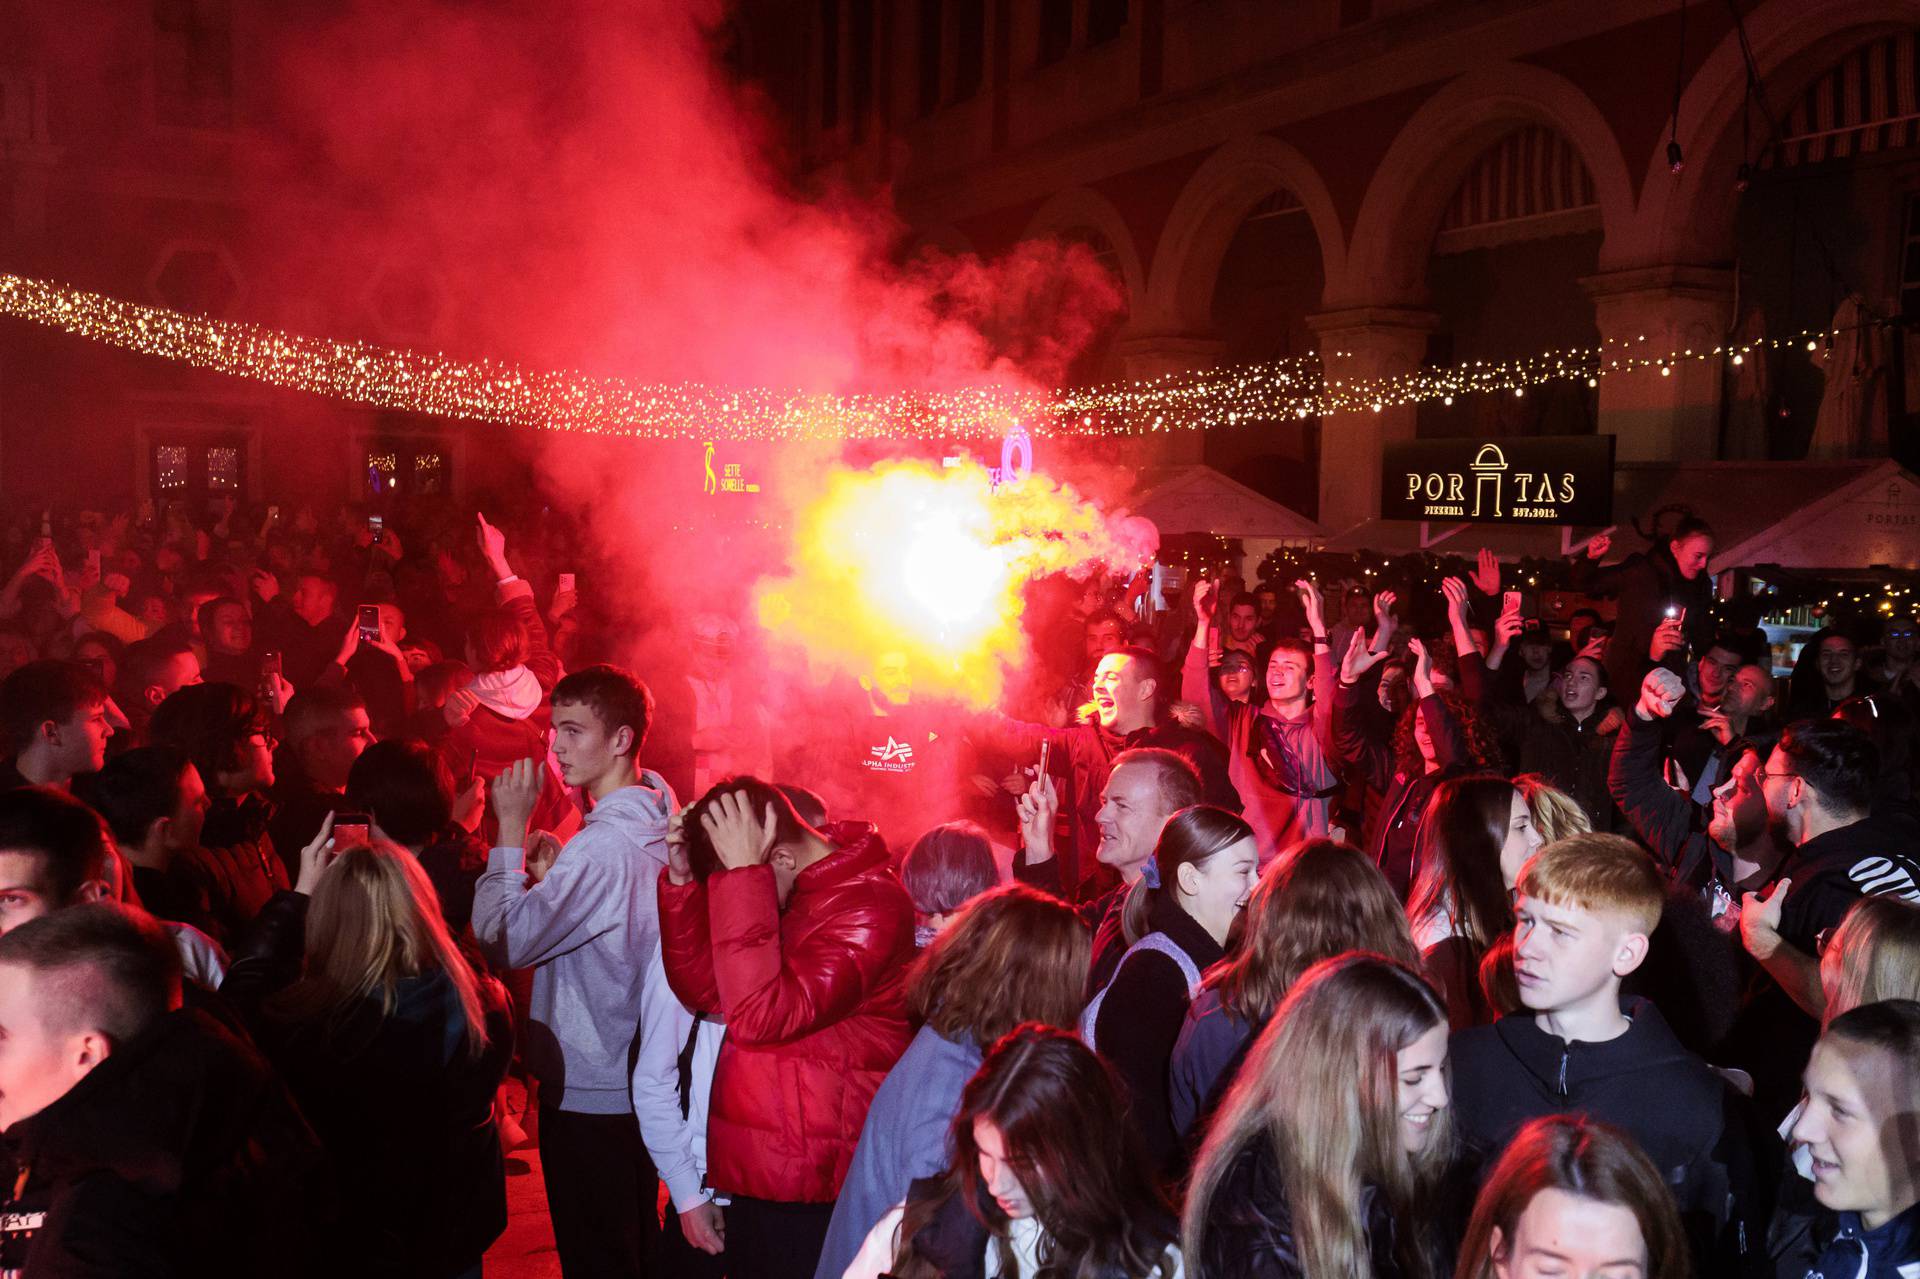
x: 1323, y: 676
x: 1195, y: 684
x: 1663, y: 818
x: 1354, y: 730
x: 517, y: 596
x: 1449, y: 735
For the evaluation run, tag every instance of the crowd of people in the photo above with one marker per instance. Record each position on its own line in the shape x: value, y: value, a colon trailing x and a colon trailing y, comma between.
x: 1304, y: 930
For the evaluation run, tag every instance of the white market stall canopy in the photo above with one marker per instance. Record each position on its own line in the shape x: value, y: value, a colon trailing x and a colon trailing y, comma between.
x: 1199, y: 499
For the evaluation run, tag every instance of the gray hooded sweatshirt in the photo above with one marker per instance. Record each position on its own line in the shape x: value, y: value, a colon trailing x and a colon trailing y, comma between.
x: 586, y: 930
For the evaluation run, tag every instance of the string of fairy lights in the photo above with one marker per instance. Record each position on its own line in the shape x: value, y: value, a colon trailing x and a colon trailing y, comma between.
x: 508, y: 394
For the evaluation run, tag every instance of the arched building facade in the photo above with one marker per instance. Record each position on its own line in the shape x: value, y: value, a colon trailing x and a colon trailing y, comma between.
x: 1392, y: 182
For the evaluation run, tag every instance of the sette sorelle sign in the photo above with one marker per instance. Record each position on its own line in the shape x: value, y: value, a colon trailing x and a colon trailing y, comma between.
x: 1542, y: 479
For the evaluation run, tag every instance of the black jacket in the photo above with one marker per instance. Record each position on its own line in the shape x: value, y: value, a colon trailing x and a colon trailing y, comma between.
x: 237, y: 860
x: 1249, y: 1228
x: 1762, y: 1032
x: 404, y: 1110
x: 1140, y: 1020
x: 180, y: 1154
x: 1876, y: 855
x: 1838, y: 1244
x: 1645, y: 585
x: 1690, y: 1122
x: 1574, y: 757
x: 1393, y: 801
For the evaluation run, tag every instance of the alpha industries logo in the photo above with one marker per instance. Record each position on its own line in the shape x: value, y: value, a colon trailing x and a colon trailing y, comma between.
x: 895, y: 757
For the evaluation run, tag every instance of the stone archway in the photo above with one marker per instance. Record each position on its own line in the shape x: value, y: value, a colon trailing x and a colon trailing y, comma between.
x: 1082, y: 208
x: 1207, y: 216
x: 1393, y: 233
x: 1689, y: 218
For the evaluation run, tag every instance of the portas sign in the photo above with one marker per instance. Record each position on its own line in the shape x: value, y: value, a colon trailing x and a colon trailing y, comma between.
x: 1541, y: 479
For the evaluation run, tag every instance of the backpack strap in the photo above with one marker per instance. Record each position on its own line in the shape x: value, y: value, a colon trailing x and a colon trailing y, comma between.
x: 1158, y: 942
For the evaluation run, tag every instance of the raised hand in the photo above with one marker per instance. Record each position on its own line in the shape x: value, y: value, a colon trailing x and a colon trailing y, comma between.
x: 1599, y: 544
x: 1383, y: 619
x: 1315, y: 606
x: 1486, y: 572
x: 515, y: 792
x: 470, y: 805
x: 1660, y: 691
x: 738, y: 837
x: 1038, y: 807
x: 1456, y: 592
x: 1204, y: 592
x: 315, y: 858
x: 1422, y: 667
x: 1358, y: 659
x: 1668, y: 637
x: 679, y: 866
x: 493, y: 546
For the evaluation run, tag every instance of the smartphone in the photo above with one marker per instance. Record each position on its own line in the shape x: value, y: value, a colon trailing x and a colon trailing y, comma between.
x: 1046, y: 749
x: 273, y: 515
x: 367, y: 618
x: 1675, y: 611
x: 269, y: 669
x: 350, y: 829
x: 378, y: 524
x: 1510, y: 602
x: 566, y: 581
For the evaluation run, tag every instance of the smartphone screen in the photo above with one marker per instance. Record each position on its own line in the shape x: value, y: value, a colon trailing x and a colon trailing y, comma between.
x: 378, y: 524
x: 566, y: 581
x: 269, y: 667
x: 350, y: 829
x: 368, y: 620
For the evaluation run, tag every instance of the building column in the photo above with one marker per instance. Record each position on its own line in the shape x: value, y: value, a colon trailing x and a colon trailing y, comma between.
x: 1656, y: 418
x: 1151, y: 355
x: 1364, y: 342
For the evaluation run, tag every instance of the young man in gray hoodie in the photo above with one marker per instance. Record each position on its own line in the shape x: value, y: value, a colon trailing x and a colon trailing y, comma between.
x: 584, y: 918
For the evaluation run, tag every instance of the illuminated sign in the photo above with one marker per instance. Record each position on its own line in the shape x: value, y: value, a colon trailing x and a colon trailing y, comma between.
x: 729, y: 479
x: 1016, y: 459
x: 1542, y: 479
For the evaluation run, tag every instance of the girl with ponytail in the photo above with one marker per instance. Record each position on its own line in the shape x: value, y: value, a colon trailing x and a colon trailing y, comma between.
x: 1176, y: 921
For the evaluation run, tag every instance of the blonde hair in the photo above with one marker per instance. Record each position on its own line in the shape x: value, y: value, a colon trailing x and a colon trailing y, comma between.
x: 1595, y: 872
x: 1873, y: 955
x: 1321, y: 1087
x: 1556, y: 814
x: 375, y: 921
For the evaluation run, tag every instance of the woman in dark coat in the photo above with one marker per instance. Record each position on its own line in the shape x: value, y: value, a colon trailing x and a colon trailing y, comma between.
x: 1668, y: 580
x: 1345, y: 1095
x: 394, y: 1047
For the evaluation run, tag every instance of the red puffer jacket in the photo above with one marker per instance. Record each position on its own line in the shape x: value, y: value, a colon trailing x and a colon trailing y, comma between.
x: 815, y: 1003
